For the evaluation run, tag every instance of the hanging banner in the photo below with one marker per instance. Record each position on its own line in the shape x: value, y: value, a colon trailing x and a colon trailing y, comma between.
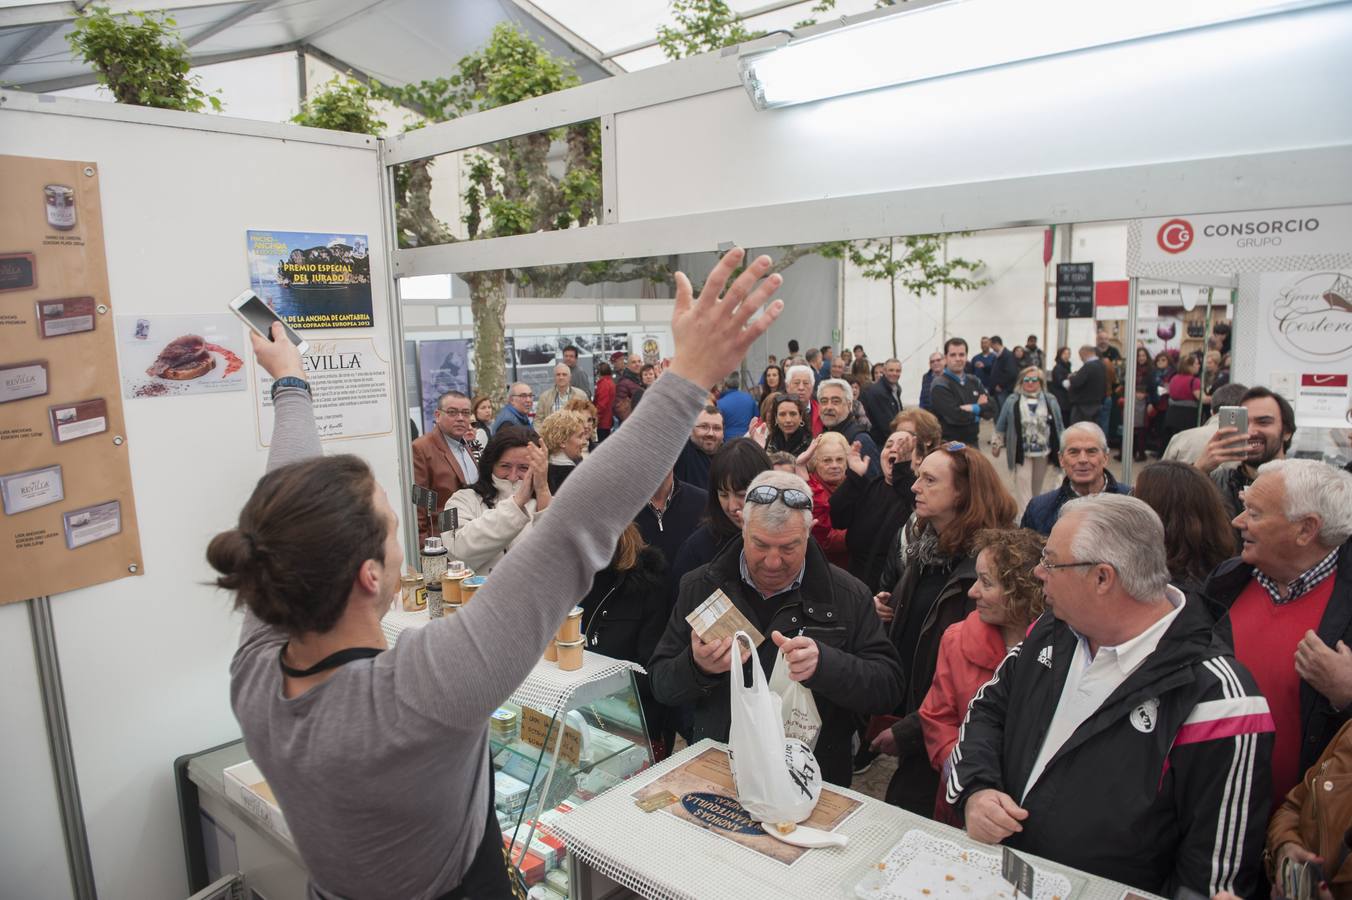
x: 442, y: 366
x: 350, y: 384
x: 1279, y: 239
x: 313, y: 279
x: 67, y: 514
x: 1307, y: 347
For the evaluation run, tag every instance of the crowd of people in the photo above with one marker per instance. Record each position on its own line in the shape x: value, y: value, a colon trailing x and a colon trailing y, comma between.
x: 1149, y: 682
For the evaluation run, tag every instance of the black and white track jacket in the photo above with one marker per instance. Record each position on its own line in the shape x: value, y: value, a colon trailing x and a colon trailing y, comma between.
x: 1167, y: 784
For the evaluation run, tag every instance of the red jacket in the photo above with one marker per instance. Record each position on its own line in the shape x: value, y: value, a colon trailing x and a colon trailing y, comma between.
x: 969, y: 653
x: 605, y: 402
x: 831, y: 540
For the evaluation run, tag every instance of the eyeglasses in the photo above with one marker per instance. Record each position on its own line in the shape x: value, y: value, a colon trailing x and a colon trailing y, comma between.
x: 1032, y: 381
x: 456, y: 413
x: 1052, y: 567
x: 527, y: 394
x: 767, y: 494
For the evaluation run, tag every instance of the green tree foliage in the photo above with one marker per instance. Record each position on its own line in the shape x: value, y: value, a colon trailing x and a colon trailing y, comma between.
x: 510, y: 187
x: 342, y: 104
x: 140, y: 58
x: 701, y: 26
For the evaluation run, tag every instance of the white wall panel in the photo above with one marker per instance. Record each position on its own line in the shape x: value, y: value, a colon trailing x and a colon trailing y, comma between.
x: 145, y: 659
x: 1187, y: 96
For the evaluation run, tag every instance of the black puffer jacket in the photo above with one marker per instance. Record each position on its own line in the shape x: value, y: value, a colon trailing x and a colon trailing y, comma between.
x: 623, y: 616
x: 857, y: 672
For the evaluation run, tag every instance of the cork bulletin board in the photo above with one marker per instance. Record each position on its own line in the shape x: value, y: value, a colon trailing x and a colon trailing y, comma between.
x: 69, y: 517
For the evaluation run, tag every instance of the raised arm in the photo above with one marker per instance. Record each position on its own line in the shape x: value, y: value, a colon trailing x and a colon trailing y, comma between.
x: 460, y: 669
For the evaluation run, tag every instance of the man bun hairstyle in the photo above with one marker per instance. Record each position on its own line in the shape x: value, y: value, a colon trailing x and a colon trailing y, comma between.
x: 302, y: 536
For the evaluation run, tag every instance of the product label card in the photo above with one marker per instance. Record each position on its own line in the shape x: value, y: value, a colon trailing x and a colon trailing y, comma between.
x: 23, y: 491
x: 92, y: 523
x: 72, y: 315
x: 19, y: 381
x: 18, y: 271
x: 77, y: 420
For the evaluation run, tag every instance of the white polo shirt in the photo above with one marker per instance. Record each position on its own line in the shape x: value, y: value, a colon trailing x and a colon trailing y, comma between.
x: 1093, y: 677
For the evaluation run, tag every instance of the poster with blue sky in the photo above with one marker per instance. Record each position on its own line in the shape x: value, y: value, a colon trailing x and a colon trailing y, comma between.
x: 313, y: 279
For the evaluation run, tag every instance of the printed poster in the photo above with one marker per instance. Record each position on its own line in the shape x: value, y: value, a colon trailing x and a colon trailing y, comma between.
x: 350, y: 384
x: 67, y: 512
x: 442, y: 366
x: 166, y: 356
x: 313, y: 279
x: 701, y: 792
x: 1305, y: 343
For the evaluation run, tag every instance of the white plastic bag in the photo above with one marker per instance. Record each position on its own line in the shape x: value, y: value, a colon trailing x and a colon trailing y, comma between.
x: 799, y: 708
x: 777, y: 779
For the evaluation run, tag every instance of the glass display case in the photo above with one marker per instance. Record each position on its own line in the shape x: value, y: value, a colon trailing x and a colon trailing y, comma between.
x: 563, y: 738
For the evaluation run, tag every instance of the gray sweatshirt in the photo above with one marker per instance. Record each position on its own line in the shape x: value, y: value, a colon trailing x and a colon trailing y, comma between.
x: 382, y: 770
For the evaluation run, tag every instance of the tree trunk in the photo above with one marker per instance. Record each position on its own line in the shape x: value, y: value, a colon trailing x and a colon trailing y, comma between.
x: 488, y: 303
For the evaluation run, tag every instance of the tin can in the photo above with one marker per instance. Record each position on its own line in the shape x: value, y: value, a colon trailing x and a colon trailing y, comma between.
x: 60, y: 206
x: 413, y: 590
x: 570, y: 655
x: 504, y: 725
x: 571, y: 629
x: 551, y: 652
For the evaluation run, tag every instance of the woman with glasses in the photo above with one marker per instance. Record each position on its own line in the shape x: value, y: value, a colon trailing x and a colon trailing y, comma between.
x: 957, y: 493
x: 788, y: 430
x: 1030, y: 426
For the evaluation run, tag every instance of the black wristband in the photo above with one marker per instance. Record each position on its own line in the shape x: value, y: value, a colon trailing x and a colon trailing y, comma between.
x: 287, y: 381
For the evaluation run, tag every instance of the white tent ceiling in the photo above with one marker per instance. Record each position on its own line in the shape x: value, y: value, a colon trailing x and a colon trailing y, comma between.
x: 397, y: 41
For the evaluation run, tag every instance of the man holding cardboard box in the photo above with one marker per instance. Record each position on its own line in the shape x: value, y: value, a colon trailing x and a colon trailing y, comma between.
x: 775, y: 581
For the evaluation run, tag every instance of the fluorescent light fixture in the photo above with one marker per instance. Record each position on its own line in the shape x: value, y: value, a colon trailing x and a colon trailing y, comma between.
x: 965, y: 35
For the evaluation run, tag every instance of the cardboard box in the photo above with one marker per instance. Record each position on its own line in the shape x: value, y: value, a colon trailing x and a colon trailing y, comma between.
x: 509, y: 794
x: 245, y: 785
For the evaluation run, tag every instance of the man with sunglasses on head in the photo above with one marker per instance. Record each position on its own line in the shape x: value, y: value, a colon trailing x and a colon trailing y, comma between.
x: 819, y: 617
x: 1121, y: 737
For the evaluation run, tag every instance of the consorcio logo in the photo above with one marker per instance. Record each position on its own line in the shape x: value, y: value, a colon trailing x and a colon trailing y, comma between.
x: 1175, y: 236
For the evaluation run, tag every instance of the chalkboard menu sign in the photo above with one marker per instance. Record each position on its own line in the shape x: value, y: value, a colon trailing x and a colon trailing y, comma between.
x: 1075, y: 290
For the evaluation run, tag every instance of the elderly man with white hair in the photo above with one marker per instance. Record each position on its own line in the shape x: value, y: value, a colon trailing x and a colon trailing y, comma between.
x: 835, y: 398
x: 799, y: 382
x: 1287, y: 603
x: 1121, y: 737
x: 557, y: 397
x: 819, y: 617
x: 1084, y: 459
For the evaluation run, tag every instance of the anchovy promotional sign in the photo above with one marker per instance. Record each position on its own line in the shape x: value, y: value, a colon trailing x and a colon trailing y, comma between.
x: 701, y: 793
x: 313, y: 279
x: 350, y: 384
x: 164, y: 356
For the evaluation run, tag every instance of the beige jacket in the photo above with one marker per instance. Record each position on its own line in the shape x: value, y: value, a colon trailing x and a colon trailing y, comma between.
x: 485, y: 533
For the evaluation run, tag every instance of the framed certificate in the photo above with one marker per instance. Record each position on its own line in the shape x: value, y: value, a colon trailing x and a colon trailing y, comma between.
x: 76, y: 420
x: 23, y: 491
x: 92, y: 523
x: 19, y: 381
x: 73, y: 315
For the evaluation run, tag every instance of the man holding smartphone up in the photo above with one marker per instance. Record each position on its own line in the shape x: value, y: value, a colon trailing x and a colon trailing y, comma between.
x: 1271, y: 425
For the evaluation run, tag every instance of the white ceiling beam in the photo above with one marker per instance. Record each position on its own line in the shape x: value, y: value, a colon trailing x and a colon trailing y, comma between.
x: 568, y: 36
x: 46, y: 13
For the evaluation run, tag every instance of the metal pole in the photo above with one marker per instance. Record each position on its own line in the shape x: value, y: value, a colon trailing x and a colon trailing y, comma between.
x: 1063, y: 325
x: 63, y: 754
x: 1129, y: 388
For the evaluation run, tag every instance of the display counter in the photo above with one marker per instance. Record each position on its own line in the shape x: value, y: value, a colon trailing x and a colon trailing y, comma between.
x: 615, y: 846
x: 563, y: 738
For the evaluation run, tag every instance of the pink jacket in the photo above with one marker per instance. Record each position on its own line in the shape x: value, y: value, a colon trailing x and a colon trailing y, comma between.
x: 969, y: 653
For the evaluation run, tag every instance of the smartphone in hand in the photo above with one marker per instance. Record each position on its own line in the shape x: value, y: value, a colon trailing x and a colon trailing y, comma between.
x: 259, y: 316
x: 1236, y: 417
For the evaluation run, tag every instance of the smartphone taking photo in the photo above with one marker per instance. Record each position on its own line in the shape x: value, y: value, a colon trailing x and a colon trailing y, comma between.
x: 259, y: 316
x: 1236, y: 417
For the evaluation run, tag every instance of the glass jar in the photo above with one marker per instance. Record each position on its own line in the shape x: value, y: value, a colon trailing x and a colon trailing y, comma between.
x: 60, y: 206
